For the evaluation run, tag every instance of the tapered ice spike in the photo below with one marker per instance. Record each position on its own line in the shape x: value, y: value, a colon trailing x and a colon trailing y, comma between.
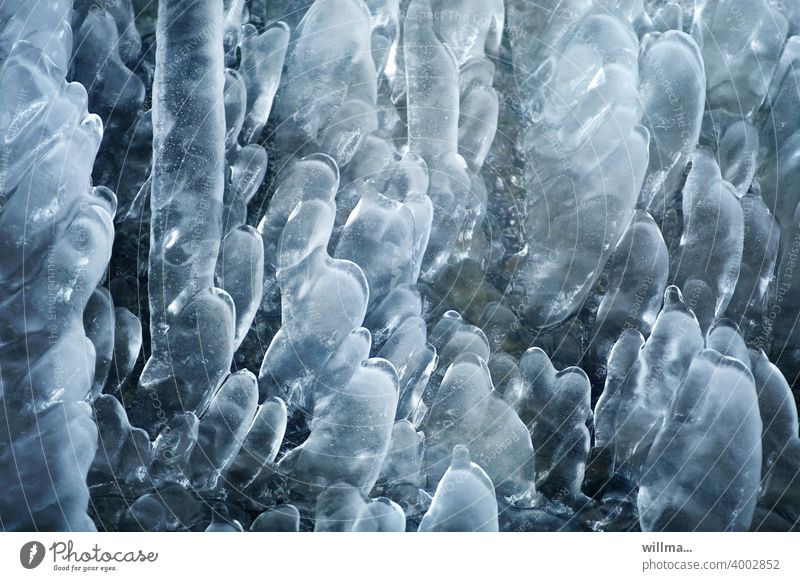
x: 464, y: 499
x: 466, y: 411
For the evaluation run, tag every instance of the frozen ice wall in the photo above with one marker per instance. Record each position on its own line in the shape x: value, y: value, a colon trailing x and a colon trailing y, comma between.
x: 56, y: 238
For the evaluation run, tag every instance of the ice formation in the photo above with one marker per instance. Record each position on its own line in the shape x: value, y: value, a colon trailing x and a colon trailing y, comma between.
x: 399, y: 265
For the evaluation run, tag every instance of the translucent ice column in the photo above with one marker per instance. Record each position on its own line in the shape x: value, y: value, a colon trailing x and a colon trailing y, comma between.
x: 452, y: 112
x: 116, y: 94
x: 55, y: 240
x: 191, y: 321
x: 354, y: 401
x: 323, y: 300
x: 778, y: 173
x: 779, y: 496
x: 585, y: 153
x: 556, y: 407
x: 749, y: 304
x: 249, y: 93
x: 672, y: 89
x: 262, y: 61
x: 706, y: 264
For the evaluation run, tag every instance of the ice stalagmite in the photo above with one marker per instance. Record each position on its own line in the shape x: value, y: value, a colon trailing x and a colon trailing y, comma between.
x: 452, y: 113
x: 726, y: 338
x: 123, y: 13
x: 285, y: 518
x: 556, y: 406
x: 777, y: 507
x: 778, y: 173
x: 750, y: 301
x: 259, y: 449
x: 55, y: 239
x: 323, y: 300
x: 115, y: 92
x: 344, y: 508
x: 464, y: 499
x: 223, y: 428
x: 400, y: 336
x: 641, y: 383
x: 249, y: 92
x: 706, y: 264
x: 401, y: 478
x: 703, y: 470
x: 319, y: 361
x: 634, y: 278
x: 262, y: 60
x: 746, y: 54
x: 400, y: 230
x: 585, y: 153
x: 191, y: 320
x: 467, y: 412
x: 353, y: 415
x: 672, y: 89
